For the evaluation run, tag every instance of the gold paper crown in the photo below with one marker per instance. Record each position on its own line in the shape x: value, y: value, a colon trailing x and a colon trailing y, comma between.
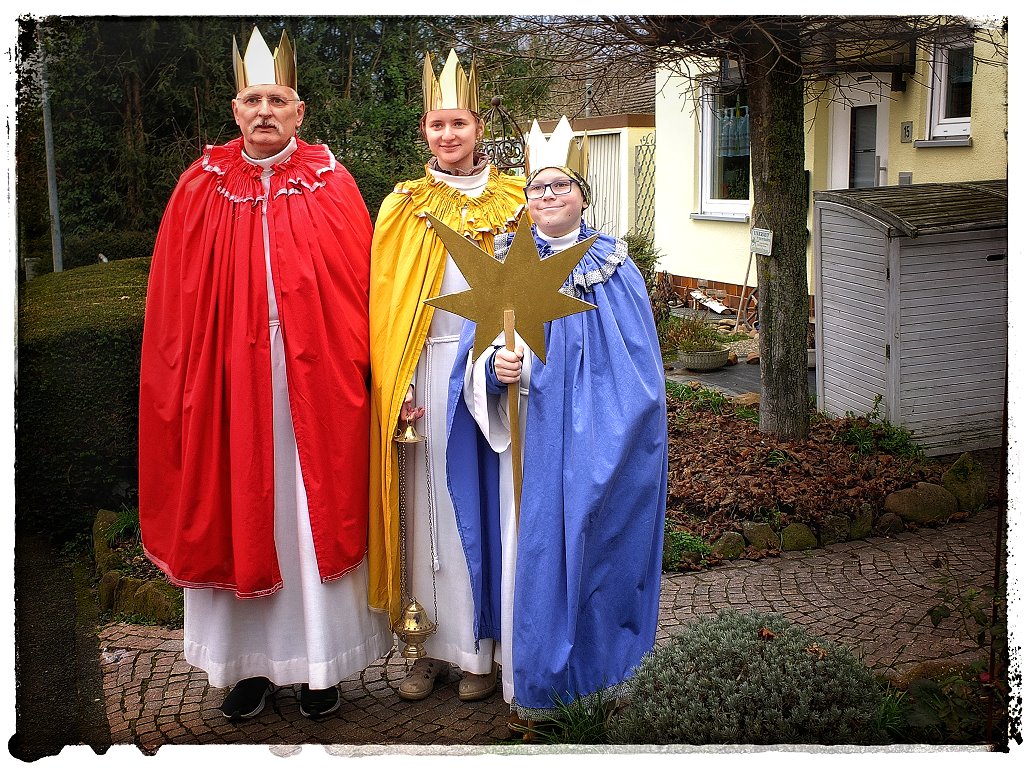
x: 560, y: 151
x: 453, y: 90
x: 261, y: 67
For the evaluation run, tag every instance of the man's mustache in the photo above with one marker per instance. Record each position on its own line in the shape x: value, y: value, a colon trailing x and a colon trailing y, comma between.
x: 264, y: 124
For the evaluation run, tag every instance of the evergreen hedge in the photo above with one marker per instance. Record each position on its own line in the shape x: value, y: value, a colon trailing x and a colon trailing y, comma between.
x: 76, y: 441
x: 84, y: 250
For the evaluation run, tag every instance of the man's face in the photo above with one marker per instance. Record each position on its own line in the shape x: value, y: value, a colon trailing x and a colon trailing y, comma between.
x: 555, y: 214
x: 451, y: 135
x: 268, y: 116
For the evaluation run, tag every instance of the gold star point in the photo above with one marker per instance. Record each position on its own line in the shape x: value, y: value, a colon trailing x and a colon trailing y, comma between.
x: 524, y: 283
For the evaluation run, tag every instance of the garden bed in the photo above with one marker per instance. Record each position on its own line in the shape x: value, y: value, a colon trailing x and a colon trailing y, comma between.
x: 724, y: 474
x: 130, y: 587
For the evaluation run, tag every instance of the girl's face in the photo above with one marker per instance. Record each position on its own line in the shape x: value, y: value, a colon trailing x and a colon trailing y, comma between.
x: 452, y: 135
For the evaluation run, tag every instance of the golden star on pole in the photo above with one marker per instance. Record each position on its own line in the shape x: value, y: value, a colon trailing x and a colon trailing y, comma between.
x: 520, y: 294
x: 524, y: 283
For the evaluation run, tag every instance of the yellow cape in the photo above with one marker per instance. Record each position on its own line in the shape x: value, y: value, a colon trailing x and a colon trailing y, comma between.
x: 406, y: 267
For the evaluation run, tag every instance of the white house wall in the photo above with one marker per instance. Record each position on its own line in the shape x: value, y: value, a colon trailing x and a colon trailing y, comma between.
x: 712, y: 250
x: 709, y: 249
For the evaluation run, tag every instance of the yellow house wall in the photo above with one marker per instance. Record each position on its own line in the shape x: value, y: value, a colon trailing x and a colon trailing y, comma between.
x: 718, y: 250
x: 715, y: 250
x: 816, y: 160
x: 986, y: 158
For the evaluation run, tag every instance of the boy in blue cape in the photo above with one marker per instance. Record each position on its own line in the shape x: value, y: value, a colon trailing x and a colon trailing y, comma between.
x: 572, y: 593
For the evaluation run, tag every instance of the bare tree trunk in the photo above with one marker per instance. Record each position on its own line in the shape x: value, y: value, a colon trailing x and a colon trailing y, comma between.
x: 775, y: 90
x: 351, y: 63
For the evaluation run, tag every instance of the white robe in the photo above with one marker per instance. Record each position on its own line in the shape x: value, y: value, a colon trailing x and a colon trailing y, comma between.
x: 491, y: 415
x: 308, y: 631
x: 436, y: 562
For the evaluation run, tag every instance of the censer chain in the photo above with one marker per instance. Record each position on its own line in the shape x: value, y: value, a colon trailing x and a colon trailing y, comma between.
x: 430, y: 523
x: 403, y: 561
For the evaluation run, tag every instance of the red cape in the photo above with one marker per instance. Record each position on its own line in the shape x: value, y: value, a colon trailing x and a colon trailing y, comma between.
x: 206, y: 449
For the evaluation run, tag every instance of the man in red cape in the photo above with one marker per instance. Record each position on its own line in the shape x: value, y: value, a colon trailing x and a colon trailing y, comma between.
x: 254, y: 407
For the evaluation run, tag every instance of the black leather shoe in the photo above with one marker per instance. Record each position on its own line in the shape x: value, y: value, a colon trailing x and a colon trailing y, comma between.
x: 318, y: 703
x: 247, y: 698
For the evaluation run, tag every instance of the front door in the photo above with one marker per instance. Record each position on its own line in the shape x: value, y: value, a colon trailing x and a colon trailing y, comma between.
x: 864, y: 163
x: 858, y: 135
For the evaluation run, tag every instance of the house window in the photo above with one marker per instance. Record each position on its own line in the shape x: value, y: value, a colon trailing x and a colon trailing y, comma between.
x: 952, y: 80
x: 725, y: 151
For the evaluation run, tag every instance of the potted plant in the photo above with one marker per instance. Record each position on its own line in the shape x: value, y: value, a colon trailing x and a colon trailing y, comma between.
x: 695, y: 344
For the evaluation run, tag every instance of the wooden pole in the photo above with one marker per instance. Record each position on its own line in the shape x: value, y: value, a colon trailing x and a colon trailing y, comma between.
x: 743, y: 294
x: 513, y: 415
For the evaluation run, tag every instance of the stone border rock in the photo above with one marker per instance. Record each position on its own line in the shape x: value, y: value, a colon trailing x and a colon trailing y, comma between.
x: 144, y: 600
x: 963, y: 488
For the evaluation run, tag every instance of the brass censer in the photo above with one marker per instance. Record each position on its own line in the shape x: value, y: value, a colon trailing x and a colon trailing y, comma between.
x: 414, y: 626
x: 407, y: 436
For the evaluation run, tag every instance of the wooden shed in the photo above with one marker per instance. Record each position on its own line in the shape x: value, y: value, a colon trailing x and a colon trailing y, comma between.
x: 911, y: 308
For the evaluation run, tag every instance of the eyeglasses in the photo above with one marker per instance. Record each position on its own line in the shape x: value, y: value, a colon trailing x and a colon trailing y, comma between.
x: 275, y: 102
x: 560, y: 187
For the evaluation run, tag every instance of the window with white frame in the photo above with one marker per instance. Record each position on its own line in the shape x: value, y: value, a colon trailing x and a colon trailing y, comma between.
x: 952, y: 81
x: 725, y: 150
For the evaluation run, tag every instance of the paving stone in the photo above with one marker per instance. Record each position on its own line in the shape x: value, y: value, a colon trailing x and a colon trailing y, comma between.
x: 869, y: 594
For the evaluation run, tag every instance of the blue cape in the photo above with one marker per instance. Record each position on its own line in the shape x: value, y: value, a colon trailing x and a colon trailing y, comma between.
x: 595, y: 462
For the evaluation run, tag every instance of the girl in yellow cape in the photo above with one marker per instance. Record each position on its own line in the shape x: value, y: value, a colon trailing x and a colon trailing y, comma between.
x: 412, y: 348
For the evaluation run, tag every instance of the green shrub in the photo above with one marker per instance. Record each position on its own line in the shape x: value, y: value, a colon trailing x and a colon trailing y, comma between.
x: 953, y: 708
x: 643, y: 253
x: 699, y: 397
x: 36, y: 250
x: 582, y: 720
x: 645, y: 256
x: 679, y: 541
x: 80, y: 337
x: 748, y: 413
x: 83, y: 250
x: 870, y: 434
x: 751, y: 678
x: 892, y: 715
x: 125, y: 528
x: 776, y: 457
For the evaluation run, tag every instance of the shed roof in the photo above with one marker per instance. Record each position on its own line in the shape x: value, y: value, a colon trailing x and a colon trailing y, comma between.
x: 922, y: 209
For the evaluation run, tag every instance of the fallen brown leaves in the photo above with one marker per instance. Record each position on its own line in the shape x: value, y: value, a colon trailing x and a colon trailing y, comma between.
x: 724, y: 470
